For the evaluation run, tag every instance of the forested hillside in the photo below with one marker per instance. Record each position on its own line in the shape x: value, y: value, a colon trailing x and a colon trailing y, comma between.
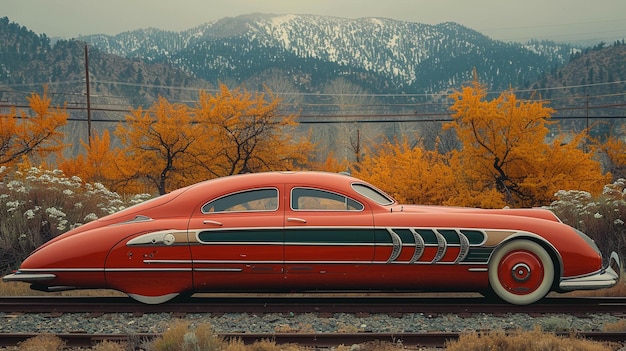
x: 393, y: 75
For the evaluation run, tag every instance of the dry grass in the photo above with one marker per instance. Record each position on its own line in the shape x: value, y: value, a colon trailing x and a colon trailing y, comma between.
x: 43, y: 342
x: 525, y: 341
x: 110, y: 346
x: 619, y: 326
x: 183, y: 336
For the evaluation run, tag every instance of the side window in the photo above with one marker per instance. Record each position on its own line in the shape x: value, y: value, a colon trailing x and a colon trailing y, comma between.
x: 307, y: 199
x: 252, y: 200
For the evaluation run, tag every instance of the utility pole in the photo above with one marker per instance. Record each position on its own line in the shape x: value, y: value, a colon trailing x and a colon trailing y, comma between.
x: 88, y: 95
x: 587, y: 132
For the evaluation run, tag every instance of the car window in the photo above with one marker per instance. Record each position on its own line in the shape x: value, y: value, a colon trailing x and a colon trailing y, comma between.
x: 265, y: 199
x: 308, y: 199
x: 372, y: 194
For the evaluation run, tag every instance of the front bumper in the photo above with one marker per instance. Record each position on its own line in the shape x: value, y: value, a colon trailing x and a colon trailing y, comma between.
x: 605, y: 278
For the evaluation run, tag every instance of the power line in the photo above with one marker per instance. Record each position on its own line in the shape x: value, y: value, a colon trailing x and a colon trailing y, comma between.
x: 301, y: 94
x: 355, y: 118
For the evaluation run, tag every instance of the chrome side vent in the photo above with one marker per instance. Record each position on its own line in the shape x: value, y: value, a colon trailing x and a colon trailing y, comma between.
x: 442, y: 239
x: 442, y: 247
x: 397, y: 245
x: 419, y: 246
x: 465, y: 246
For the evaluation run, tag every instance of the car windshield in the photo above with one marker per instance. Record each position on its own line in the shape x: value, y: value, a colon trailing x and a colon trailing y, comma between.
x: 373, y: 194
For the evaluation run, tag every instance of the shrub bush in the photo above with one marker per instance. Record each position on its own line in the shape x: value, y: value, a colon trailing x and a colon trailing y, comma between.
x: 523, y: 341
x: 36, y: 205
x: 43, y: 342
x: 601, y: 218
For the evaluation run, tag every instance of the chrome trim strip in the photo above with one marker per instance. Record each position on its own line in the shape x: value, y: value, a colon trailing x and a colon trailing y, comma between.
x: 137, y: 219
x: 429, y: 263
x: 330, y: 244
x: 330, y: 262
x: 235, y: 262
x: 218, y: 269
x: 169, y: 261
x: 259, y: 243
x: 204, y: 229
x: 115, y: 270
x: 478, y: 269
x: 61, y: 270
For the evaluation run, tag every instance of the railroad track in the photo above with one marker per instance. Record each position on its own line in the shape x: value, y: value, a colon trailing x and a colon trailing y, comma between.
x: 314, y: 304
x: 322, y: 305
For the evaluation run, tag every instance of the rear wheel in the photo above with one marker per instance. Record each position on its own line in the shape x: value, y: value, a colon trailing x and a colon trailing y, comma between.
x: 521, y: 272
x: 152, y: 300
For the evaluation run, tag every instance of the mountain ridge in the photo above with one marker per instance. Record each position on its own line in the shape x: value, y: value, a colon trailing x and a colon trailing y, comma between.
x: 324, y: 70
x: 406, y: 53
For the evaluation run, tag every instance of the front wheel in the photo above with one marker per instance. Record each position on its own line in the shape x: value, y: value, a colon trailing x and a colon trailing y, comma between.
x: 521, y: 272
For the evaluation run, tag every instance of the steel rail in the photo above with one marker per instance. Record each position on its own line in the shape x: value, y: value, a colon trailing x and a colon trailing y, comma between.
x: 313, y: 304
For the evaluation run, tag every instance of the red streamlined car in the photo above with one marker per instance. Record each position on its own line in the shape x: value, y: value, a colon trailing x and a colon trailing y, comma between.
x: 305, y: 231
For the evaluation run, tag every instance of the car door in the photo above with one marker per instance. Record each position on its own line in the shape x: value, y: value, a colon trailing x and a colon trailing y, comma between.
x: 236, y: 241
x: 329, y: 239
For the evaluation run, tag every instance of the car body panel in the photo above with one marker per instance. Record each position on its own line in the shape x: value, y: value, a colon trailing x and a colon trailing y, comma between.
x: 290, y: 231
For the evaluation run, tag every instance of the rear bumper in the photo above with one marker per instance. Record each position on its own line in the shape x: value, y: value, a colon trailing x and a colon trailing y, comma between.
x: 36, y: 280
x: 28, y: 277
x: 605, y: 278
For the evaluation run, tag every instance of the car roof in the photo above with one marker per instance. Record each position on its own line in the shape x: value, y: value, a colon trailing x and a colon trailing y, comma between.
x: 284, y: 177
x: 224, y: 185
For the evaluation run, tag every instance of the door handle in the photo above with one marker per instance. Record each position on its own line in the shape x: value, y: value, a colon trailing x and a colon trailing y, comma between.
x: 296, y: 219
x: 208, y: 221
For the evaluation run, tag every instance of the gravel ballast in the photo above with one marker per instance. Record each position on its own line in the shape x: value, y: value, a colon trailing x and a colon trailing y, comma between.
x: 128, y: 323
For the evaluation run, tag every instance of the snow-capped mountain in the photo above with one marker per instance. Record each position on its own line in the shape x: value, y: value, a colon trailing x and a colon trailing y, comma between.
x: 408, y: 57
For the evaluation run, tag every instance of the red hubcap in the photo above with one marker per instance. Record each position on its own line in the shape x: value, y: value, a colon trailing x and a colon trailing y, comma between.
x: 520, y: 272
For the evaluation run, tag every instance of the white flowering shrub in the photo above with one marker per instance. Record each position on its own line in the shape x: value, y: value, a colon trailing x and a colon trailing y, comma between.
x: 36, y: 205
x: 601, y: 218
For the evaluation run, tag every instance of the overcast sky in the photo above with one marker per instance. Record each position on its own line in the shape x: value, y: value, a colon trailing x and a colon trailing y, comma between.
x: 519, y: 20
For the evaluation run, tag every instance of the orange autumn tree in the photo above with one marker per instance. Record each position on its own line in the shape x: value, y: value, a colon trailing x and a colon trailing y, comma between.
x: 470, y: 189
x: 504, y: 147
x: 245, y: 133
x: 168, y: 146
x: 409, y: 174
x: 156, y: 148
x: 331, y: 164
x: 34, y: 136
x: 615, y: 150
x: 96, y: 165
